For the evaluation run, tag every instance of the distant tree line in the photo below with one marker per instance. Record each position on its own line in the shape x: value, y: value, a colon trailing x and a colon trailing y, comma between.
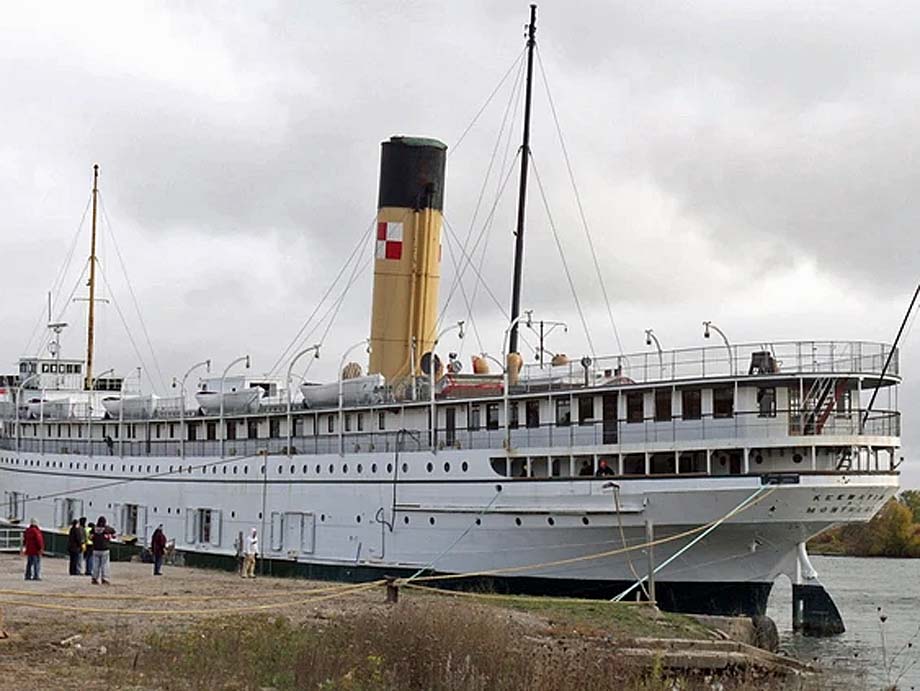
x: 893, y: 532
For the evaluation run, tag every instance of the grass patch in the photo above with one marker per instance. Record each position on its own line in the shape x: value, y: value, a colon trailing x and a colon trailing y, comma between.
x: 438, y: 645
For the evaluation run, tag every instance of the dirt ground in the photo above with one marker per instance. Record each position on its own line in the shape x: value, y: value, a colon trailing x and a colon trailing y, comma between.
x: 33, y: 657
x: 65, y: 633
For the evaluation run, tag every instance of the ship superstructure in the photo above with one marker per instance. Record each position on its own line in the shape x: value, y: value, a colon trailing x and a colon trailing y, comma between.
x: 706, y: 468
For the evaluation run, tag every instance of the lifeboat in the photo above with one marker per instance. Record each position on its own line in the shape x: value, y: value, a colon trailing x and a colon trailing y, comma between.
x: 366, y: 390
x: 129, y: 407
x: 234, y: 402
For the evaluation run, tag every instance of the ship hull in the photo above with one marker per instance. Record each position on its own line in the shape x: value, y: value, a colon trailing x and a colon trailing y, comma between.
x: 719, y: 542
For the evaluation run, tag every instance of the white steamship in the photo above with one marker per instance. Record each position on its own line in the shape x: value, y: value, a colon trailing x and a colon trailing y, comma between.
x: 548, y: 478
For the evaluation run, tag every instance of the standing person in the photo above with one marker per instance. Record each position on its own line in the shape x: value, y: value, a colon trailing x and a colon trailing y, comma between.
x: 102, y: 534
x: 158, y: 547
x: 33, y: 546
x: 250, y: 552
x: 80, y: 562
x: 88, y: 554
x: 75, y: 539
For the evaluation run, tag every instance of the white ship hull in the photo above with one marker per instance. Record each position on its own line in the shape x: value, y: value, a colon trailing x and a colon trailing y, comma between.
x: 554, y: 534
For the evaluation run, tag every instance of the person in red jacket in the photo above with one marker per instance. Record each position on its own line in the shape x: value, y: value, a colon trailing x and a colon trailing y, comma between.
x: 158, y: 548
x: 33, y: 546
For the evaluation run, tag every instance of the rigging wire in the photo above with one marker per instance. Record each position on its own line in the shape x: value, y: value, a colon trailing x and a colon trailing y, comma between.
x: 59, y: 279
x: 124, y: 322
x: 581, y: 210
x: 137, y: 309
x: 485, y: 105
x: 42, y: 344
x: 512, y: 107
x: 297, y: 338
x: 468, y: 263
x: 565, y: 264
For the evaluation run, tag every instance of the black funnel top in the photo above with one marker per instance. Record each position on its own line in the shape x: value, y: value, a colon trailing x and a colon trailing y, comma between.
x: 412, y: 173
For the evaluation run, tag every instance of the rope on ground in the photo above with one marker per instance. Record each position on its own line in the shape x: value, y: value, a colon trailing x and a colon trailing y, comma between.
x: 600, y: 555
x: 110, y: 595
x: 346, y: 590
x: 520, y: 598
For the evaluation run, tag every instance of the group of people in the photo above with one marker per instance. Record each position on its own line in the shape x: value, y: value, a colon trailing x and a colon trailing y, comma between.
x: 87, y: 548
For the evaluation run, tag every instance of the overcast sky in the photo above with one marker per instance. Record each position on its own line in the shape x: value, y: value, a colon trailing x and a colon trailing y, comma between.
x: 750, y: 163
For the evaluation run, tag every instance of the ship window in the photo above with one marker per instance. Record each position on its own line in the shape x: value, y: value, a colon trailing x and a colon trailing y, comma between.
x: 563, y: 412
x: 204, y: 525
x: 635, y: 402
x: 330, y: 424
x: 474, y: 417
x: 231, y: 430
x: 691, y: 405
x: 360, y: 420
x: 274, y: 428
x: 723, y: 399
x: 662, y: 405
x: 348, y: 422
x: 585, y: 410
x: 192, y: 432
x: 252, y: 429
x: 381, y: 421
x: 766, y: 402
x: 492, y: 416
x: 532, y: 413
x: 212, y: 431
x: 513, y: 415
x: 44, y: 368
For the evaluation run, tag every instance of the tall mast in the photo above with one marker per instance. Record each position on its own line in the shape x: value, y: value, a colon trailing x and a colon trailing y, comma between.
x: 522, y: 194
x: 91, y: 318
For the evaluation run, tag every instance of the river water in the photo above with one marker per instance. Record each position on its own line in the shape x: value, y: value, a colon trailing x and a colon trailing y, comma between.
x: 858, y: 659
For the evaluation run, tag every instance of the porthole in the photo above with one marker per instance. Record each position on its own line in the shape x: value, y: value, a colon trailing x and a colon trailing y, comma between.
x: 796, y: 458
x: 224, y: 471
x: 431, y: 520
x: 551, y: 520
x: 498, y: 488
x: 168, y: 509
x: 235, y: 469
x: 517, y: 521
x: 585, y: 521
x: 359, y: 468
x: 331, y: 469
x: 322, y: 518
x: 447, y: 467
x: 304, y: 469
x: 357, y: 519
x: 406, y: 520
x: 758, y: 459
x: 260, y: 515
x: 345, y: 468
x: 245, y: 470
x: 318, y: 468
x: 478, y: 521
x: 293, y: 470
x: 389, y: 467
x: 405, y: 467
x: 373, y: 467
x: 429, y: 467
x: 464, y: 466
x: 280, y: 470
x: 233, y: 514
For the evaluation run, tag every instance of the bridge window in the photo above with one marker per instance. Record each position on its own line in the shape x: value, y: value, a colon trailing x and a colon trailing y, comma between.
x: 563, y: 412
x: 766, y: 401
x: 635, y: 402
x: 532, y: 413
x: 691, y: 404
x: 662, y: 405
x: 473, y: 422
x: 723, y: 400
x: 492, y: 416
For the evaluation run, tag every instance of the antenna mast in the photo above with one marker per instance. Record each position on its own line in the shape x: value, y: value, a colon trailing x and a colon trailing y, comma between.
x: 91, y: 318
x: 522, y: 195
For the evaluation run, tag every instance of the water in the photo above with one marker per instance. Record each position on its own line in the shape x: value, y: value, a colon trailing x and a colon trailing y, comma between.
x: 856, y: 659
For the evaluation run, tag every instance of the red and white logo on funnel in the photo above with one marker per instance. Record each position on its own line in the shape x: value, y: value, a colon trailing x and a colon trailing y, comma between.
x: 389, y: 240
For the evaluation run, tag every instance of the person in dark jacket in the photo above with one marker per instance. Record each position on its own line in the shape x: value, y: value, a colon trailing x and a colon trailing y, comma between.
x: 158, y: 548
x: 604, y: 469
x: 88, y: 553
x: 75, y: 547
x: 33, y: 546
x: 102, y: 534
